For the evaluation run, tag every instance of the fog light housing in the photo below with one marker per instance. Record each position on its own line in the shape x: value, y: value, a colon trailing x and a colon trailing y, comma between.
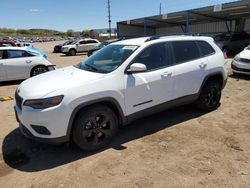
x: 41, y: 129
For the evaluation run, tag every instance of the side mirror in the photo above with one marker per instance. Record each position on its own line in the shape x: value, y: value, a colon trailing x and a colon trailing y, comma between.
x: 137, y: 67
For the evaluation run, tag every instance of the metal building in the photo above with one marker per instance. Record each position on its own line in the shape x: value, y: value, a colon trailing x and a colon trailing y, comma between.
x: 228, y: 17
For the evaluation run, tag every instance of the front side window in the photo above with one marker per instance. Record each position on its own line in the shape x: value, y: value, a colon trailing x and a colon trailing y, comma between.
x: 82, y: 42
x: 155, y: 56
x: 185, y: 51
x: 91, y: 41
x: 108, y: 59
x: 17, y: 54
x: 1, y: 54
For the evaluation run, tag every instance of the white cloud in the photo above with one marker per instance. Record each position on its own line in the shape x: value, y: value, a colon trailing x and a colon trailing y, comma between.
x: 35, y: 10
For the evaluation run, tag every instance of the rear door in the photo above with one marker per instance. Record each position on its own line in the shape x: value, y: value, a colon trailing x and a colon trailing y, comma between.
x: 190, y: 68
x: 16, y: 64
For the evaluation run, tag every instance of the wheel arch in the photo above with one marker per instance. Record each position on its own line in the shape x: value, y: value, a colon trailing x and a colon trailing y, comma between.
x: 73, y: 49
x: 39, y: 65
x: 110, y: 102
x: 218, y: 76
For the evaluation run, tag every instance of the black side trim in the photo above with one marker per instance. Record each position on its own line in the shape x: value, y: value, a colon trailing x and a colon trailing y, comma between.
x: 142, y: 103
x: 170, y: 104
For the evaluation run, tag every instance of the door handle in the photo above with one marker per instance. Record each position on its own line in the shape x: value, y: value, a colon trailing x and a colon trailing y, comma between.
x: 203, y: 65
x: 1, y: 63
x: 28, y: 61
x: 166, y: 74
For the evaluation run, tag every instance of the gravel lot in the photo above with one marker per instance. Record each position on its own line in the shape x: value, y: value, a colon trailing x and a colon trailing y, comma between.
x: 181, y: 147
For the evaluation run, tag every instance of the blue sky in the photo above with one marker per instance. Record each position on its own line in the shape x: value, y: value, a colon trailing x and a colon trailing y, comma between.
x: 80, y: 15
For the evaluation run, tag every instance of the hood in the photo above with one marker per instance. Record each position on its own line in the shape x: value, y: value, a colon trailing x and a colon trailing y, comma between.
x: 59, y: 45
x: 43, y: 84
x: 68, y: 46
x: 245, y: 54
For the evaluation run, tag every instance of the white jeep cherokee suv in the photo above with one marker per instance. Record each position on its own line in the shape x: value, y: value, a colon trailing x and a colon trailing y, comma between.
x: 121, y: 82
x: 83, y: 45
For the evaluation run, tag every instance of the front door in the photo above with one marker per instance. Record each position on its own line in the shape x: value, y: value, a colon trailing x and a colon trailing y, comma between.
x: 16, y: 65
x: 153, y: 87
x: 2, y: 70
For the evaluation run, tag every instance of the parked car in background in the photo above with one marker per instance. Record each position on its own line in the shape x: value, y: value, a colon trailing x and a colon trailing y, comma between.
x: 17, y: 63
x: 6, y: 43
x: 103, y: 44
x: 232, y: 43
x: 23, y: 44
x: 27, y: 44
x: 82, y: 45
x: 122, y: 82
x: 241, y: 62
x: 58, y: 48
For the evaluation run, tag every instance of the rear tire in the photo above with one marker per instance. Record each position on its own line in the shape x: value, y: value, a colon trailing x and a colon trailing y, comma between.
x: 94, y: 128
x: 209, y: 98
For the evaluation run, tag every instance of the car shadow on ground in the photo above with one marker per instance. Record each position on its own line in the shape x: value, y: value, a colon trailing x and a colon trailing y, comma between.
x: 30, y: 156
x: 9, y: 83
x: 239, y: 76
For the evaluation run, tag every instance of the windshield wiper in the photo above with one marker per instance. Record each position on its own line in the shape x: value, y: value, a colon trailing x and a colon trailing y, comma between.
x: 91, y: 67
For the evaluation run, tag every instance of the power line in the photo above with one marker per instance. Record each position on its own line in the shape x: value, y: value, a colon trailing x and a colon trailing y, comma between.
x: 160, y: 8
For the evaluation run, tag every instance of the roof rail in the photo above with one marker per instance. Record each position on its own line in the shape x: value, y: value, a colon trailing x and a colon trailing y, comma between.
x: 152, y: 38
x: 176, y: 34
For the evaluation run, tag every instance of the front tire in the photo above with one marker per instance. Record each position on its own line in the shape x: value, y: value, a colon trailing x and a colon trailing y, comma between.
x: 209, y: 98
x: 38, y: 70
x: 94, y: 128
x: 72, y: 52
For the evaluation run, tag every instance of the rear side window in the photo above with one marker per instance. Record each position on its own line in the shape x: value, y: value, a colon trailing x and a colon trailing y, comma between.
x: 82, y: 42
x: 185, y: 51
x: 205, y: 48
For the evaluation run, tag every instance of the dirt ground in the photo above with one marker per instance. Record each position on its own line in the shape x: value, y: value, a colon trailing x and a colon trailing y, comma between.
x: 181, y: 147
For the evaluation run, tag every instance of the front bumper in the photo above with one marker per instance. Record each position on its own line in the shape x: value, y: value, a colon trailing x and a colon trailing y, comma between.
x: 29, y: 135
x: 43, y: 125
x: 65, y: 50
x: 240, y: 67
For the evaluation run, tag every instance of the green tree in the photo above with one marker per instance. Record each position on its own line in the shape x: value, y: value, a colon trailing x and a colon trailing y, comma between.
x: 70, y: 33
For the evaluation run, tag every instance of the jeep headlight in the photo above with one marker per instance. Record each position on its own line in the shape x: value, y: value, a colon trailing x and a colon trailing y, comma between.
x: 44, y: 103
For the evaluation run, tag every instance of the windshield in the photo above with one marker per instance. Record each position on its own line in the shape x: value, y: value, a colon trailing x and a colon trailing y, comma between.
x: 103, y: 44
x: 67, y: 42
x: 74, y: 42
x: 248, y: 48
x: 108, y: 59
x: 222, y: 37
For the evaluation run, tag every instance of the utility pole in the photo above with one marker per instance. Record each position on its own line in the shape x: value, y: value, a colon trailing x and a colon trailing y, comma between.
x: 160, y: 8
x: 109, y: 17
